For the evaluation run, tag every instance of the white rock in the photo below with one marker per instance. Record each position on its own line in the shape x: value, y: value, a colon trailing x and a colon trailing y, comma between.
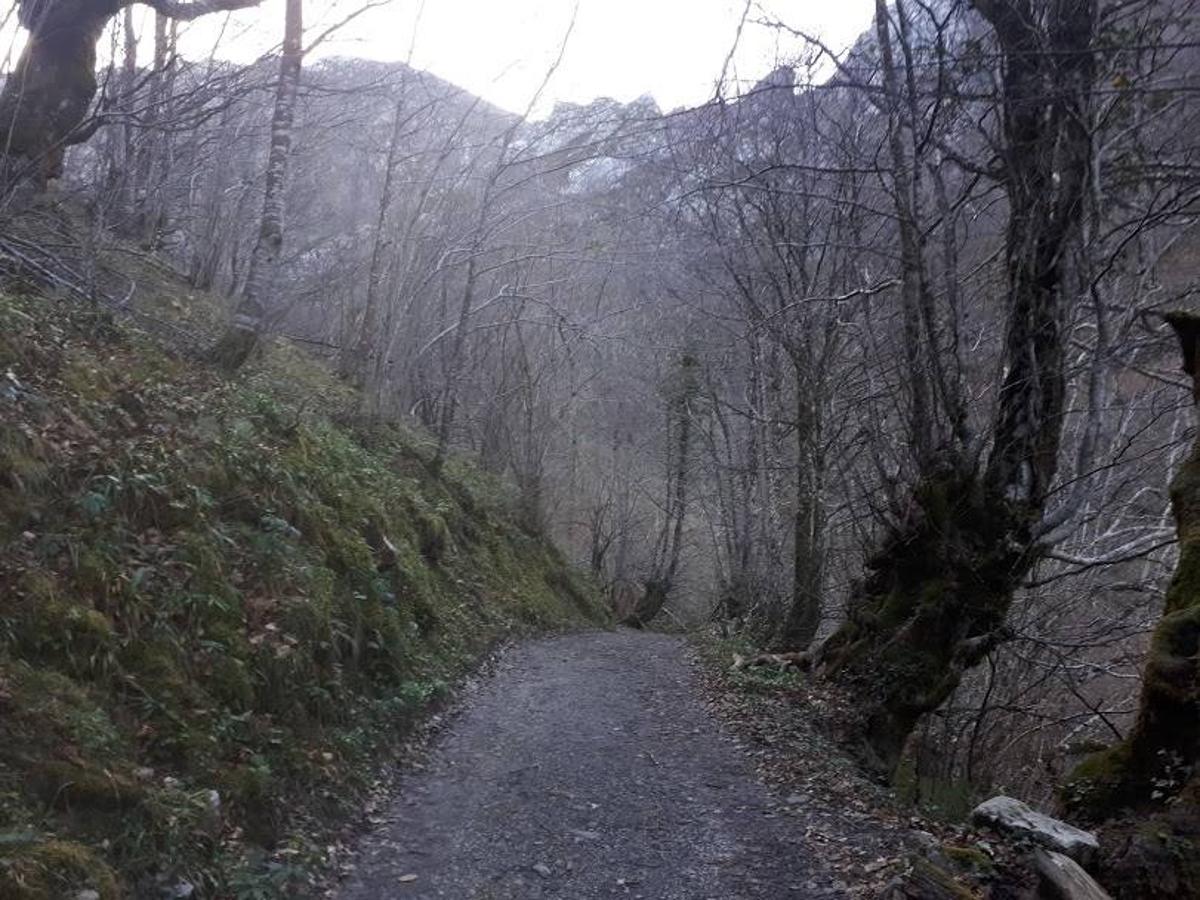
x: 1014, y: 817
x: 88, y: 895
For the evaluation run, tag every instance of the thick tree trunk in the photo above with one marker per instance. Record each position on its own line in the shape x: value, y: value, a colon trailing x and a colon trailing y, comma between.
x: 242, y: 336
x: 1152, y: 778
x: 932, y: 605
x: 45, y: 102
x: 46, y: 99
x: 1161, y: 757
x: 938, y: 591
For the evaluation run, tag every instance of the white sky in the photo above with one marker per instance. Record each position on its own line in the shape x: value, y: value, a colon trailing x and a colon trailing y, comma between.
x: 501, y: 49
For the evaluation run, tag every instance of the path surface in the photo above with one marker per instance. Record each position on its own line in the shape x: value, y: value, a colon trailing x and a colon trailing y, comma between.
x: 587, y: 767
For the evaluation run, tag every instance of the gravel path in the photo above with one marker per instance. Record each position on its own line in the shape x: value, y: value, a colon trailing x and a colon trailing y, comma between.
x: 587, y: 767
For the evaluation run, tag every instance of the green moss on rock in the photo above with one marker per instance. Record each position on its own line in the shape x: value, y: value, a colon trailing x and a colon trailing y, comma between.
x: 66, y: 785
x: 971, y: 859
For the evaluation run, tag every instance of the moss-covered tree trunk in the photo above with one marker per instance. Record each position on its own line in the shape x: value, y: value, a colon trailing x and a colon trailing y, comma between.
x: 44, y: 104
x: 47, y: 97
x: 1160, y: 759
x: 937, y: 592
x: 1153, y: 776
x: 933, y: 603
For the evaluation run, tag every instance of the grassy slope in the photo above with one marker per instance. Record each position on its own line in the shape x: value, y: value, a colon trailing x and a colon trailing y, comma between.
x: 218, y: 607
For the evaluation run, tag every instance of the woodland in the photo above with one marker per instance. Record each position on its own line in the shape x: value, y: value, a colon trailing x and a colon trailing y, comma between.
x: 884, y: 364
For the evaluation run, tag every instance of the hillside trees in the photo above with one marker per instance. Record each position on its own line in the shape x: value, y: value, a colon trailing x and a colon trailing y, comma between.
x: 1068, y: 678
x: 779, y: 246
x: 840, y: 255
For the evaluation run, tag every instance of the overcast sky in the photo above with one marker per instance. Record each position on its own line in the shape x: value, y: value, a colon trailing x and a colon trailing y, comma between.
x: 500, y: 49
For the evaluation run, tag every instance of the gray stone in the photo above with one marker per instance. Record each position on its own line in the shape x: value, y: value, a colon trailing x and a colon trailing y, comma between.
x: 1066, y: 877
x: 1011, y: 816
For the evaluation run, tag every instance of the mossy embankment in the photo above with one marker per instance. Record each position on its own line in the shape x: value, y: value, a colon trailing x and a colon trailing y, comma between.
x: 220, y: 603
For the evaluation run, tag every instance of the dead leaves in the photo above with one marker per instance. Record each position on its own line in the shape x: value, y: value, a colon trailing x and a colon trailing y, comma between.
x: 854, y: 826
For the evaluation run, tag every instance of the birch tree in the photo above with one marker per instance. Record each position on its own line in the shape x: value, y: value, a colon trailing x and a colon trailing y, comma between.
x: 249, y: 317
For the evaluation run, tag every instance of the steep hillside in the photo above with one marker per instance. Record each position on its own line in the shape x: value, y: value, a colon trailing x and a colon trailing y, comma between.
x: 220, y: 601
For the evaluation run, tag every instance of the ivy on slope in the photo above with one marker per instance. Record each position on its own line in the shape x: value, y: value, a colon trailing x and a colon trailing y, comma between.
x: 218, y: 607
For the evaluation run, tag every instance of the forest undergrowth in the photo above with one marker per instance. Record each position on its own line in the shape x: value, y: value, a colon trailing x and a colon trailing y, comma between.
x: 879, y: 840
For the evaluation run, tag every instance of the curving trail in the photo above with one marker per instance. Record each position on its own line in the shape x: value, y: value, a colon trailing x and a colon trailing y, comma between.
x: 587, y: 767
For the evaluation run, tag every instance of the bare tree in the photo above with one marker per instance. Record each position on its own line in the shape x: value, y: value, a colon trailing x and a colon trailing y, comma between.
x: 243, y: 334
x: 938, y: 591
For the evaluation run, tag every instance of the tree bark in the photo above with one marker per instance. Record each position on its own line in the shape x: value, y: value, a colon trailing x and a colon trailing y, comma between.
x: 1152, y: 778
x: 359, y: 364
x: 45, y: 103
x: 912, y: 264
x: 1161, y: 757
x: 657, y: 590
x: 939, y: 588
x: 808, y: 575
x: 244, y: 332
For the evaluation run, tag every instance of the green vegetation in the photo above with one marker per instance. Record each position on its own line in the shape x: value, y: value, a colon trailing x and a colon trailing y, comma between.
x: 220, y: 603
x: 943, y: 799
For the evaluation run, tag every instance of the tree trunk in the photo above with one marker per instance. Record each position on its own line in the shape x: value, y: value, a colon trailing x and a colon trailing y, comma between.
x: 1153, y: 776
x: 938, y: 590
x: 242, y: 336
x: 46, y: 99
x: 804, y: 614
x: 1150, y: 768
x: 912, y: 263
x: 45, y: 102
x: 358, y: 362
x: 680, y: 399
x: 454, y: 371
x: 153, y: 157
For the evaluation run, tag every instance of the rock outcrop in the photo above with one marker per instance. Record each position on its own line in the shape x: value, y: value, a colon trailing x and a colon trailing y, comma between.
x: 1010, y: 816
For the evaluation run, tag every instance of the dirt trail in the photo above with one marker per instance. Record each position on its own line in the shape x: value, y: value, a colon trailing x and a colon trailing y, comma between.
x: 587, y: 767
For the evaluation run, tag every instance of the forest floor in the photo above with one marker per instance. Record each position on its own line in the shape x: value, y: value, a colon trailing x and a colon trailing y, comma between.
x: 617, y: 764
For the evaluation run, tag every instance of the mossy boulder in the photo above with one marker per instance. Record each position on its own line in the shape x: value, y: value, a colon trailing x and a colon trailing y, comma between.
x: 1152, y: 858
x: 434, y: 536
x: 68, y: 785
